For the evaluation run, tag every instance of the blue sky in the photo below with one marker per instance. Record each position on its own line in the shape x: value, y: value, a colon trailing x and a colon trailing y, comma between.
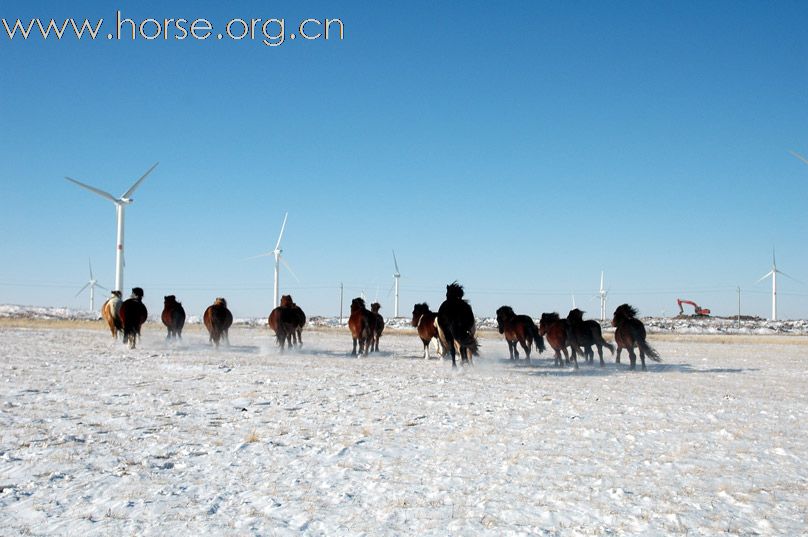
x: 518, y: 147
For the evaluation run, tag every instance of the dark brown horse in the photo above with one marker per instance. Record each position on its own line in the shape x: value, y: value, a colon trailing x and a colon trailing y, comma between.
x: 518, y: 329
x: 425, y: 321
x: 557, y: 332
x: 111, y: 313
x: 456, y: 325
x: 218, y: 319
x: 374, y: 309
x: 300, y: 322
x: 173, y: 316
x: 133, y: 314
x: 586, y: 334
x: 287, y: 322
x: 362, y: 323
x: 630, y: 332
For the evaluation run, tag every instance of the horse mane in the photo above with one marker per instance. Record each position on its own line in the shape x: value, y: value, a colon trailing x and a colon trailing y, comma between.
x: 137, y: 292
x: 550, y: 316
x: 358, y: 303
x: 220, y: 302
x: 116, y: 293
x: 454, y: 291
x: 286, y: 301
x: 625, y: 311
x: 575, y: 315
x: 375, y: 307
x: 506, y: 310
x: 423, y: 306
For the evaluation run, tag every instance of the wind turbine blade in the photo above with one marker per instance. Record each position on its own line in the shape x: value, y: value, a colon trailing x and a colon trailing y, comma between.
x: 94, y: 190
x: 91, y: 268
x: 395, y: 261
x: 283, y: 227
x: 83, y: 288
x: 257, y: 256
x: 292, y: 272
x: 137, y: 183
x: 390, y: 292
x: 101, y: 287
x: 765, y: 276
x: 799, y: 156
x: 789, y: 277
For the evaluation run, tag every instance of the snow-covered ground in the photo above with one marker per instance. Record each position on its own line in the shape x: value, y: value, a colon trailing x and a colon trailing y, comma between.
x: 182, y: 439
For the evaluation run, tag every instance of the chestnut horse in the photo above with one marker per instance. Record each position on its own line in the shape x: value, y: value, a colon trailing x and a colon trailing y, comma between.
x: 425, y: 321
x: 111, y: 313
x: 557, y: 332
x: 173, y: 316
x: 362, y: 323
x: 218, y: 319
x: 518, y: 329
x: 374, y: 308
x: 629, y: 331
x: 586, y: 334
x: 287, y: 321
x: 456, y: 325
x: 133, y: 314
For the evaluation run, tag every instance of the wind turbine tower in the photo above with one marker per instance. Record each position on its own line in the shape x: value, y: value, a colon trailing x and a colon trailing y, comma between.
x: 602, y: 294
x: 120, y: 206
x: 396, y: 276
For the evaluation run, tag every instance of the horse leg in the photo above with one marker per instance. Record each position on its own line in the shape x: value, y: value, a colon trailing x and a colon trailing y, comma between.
x: 525, y: 347
x: 558, y: 362
x: 632, y: 357
x: 617, y: 354
x: 600, y: 354
x: 642, y: 357
x: 353, y: 352
x: 426, y: 348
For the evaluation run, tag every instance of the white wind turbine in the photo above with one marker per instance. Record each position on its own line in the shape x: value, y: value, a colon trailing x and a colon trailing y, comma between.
x: 120, y: 205
x: 773, y: 273
x: 602, y: 294
x: 92, y: 284
x: 278, y: 259
x: 396, y: 276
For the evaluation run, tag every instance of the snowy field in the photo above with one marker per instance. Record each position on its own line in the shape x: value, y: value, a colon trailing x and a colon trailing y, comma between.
x: 185, y: 440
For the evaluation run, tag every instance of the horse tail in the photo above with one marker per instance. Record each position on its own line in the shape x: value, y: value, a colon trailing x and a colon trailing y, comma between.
x: 538, y: 340
x: 467, y: 339
x: 639, y: 336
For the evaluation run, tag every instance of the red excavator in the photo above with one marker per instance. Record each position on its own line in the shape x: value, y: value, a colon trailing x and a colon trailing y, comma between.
x: 700, y: 312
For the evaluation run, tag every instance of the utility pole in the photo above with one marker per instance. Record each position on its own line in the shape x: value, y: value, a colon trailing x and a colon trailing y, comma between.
x: 739, y: 306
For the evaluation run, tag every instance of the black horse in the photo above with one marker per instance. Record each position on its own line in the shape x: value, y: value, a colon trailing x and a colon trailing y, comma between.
x: 456, y: 325
x: 629, y: 331
x: 133, y: 314
x: 586, y: 334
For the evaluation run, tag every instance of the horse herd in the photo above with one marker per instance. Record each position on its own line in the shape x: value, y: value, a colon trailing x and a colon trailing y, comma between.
x: 452, y: 327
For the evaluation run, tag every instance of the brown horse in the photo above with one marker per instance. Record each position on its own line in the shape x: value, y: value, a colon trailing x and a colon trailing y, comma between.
x: 287, y: 323
x: 557, y: 332
x: 425, y: 321
x: 173, y: 316
x: 518, y: 329
x: 456, y: 325
x: 629, y: 331
x: 110, y: 311
x: 218, y: 319
x: 374, y: 308
x: 362, y: 323
x: 586, y: 334
x: 133, y: 314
